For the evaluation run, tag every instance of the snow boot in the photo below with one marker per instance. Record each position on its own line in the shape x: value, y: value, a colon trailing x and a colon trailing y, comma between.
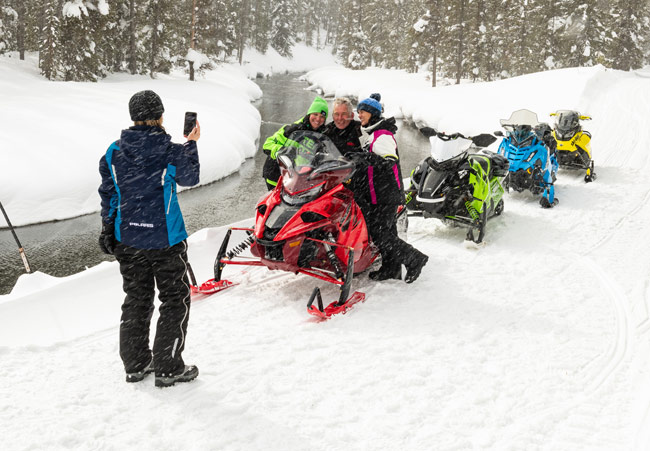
x: 414, y: 266
x: 190, y: 372
x: 387, y: 272
x: 137, y: 376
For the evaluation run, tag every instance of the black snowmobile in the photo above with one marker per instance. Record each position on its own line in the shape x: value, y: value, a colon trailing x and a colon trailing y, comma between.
x: 459, y: 183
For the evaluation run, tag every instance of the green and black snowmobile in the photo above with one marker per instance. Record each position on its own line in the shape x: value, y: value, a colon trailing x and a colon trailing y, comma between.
x: 461, y: 182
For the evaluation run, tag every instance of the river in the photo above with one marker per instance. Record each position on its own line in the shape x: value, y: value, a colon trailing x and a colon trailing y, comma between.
x: 61, y: 248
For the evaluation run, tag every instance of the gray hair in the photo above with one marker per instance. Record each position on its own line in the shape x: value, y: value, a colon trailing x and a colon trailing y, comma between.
x: 343, y: 101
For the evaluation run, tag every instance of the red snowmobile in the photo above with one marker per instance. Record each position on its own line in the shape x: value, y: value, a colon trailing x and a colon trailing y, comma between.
x: 308, y: 224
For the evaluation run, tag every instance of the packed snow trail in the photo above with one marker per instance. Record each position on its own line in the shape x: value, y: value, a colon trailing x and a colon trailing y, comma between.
x: 537, y: 340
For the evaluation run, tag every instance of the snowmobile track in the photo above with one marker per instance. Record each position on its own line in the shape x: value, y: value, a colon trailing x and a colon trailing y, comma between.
x: 639, y: 206
x: 598, y: 371
x: 616, y: 354
x: 644, y: 326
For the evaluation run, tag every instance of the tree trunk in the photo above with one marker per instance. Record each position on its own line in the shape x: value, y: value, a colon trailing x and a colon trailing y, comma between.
x: 434, y: 66
x: 154, y: 38
x: 20, y: 32
x: 133, y: 64
x: 461, y: 38
x: 242, y: 31
x: 480, y: 11
x: 193, y: 38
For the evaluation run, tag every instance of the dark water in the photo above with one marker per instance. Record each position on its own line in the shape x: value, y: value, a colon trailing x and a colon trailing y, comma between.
x: 67, y: 247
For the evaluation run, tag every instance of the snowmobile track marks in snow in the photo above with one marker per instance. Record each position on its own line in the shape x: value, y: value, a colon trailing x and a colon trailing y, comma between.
x: 599, y: 370
x: 620, y: 349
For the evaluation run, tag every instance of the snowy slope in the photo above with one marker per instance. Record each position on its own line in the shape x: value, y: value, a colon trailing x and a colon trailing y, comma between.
x: 539, y: 340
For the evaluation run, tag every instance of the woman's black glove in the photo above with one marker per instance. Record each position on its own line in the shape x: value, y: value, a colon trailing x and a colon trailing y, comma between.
x: 107, y: 240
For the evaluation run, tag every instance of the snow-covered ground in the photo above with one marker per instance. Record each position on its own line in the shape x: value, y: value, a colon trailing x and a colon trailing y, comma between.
x: 54, y: 133
x: 540, y: 340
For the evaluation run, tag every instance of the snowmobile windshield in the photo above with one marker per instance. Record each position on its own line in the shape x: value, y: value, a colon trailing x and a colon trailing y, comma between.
x: 567, y: 123
x: 446, y: 150
x: 431, y: 188
x: 310, y: 162
x: 520, y: 127
x: 520, y: 117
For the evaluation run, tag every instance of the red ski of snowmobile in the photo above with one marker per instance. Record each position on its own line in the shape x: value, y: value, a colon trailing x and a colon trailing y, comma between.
x: 308, y: 224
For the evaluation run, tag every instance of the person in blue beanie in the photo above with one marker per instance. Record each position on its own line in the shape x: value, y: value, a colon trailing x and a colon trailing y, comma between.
x: 143, y: 227
x: 377, y: 187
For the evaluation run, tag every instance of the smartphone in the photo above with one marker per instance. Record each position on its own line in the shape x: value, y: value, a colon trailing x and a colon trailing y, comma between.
x: 190, y: 123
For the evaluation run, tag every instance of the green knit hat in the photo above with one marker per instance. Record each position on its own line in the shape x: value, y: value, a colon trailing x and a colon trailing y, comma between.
x: 319, y: 105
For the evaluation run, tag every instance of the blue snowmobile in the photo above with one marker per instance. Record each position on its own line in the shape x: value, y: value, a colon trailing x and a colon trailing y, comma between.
x: 533, y: 162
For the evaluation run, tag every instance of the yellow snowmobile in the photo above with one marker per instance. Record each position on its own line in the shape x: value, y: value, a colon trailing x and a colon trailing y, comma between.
x: 573, y: 143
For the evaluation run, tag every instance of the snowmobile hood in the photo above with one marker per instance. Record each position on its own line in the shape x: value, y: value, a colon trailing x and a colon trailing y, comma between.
x: 442, y: 151
x: 142, y: 144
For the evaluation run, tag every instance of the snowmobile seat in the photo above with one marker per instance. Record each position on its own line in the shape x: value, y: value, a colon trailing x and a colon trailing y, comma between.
x: 499, y: 166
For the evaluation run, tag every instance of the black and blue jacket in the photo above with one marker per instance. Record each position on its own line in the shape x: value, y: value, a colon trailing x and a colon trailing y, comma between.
x: 138, y: 191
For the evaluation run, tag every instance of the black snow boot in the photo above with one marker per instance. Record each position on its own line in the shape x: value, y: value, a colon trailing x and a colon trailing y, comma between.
x: 190, y: 372
x: 414, y: 266
x: 387, y: 272
x: 137, y: 376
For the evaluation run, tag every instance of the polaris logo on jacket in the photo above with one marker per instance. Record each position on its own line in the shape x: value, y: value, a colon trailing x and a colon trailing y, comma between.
x: 135, y: 224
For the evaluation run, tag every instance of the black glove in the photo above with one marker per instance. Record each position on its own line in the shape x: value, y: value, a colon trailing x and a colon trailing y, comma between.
x: 107, y: 240
x: 289, y: 129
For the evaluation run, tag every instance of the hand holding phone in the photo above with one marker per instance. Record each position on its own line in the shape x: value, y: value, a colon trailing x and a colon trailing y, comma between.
x: 195, y: 134
x: 190, y: 123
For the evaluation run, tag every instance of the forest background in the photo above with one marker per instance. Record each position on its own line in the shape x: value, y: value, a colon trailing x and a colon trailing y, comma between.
x: 480, y: 40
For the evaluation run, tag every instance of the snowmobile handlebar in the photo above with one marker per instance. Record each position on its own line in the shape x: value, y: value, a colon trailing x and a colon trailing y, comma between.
x: 582, y: 117
x: 482, y: 140
x: 339, y: 166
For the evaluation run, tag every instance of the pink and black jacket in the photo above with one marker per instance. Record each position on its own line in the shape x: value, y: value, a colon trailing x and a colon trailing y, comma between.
x: 377, y: 180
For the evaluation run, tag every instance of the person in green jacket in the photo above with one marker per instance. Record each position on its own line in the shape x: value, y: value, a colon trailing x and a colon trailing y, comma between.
x: 314, y: 120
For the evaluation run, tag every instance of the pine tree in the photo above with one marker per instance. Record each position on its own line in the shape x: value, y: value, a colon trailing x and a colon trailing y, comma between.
x: 584, y: 34
x: 630, y: 30
x: 81, y: 25
x: 283, y: 35
x: 490, y: 66
x: 8, y: 27
x: 242, y: 17
x: 477, y: 38
x: 456, y: 38
x: 546, y: 18
x: 431, y: 29
x: 49, y: 50
x: 344, y: 33
x: 309, y: 21
x: 358, y: 41
x: 261, y: 25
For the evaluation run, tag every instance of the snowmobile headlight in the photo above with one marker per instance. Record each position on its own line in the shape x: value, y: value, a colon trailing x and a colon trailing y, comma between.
x: 304, y: 196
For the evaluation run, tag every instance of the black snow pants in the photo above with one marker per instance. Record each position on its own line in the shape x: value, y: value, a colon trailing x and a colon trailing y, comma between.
x: 142, y: 270
x: 381, y: 221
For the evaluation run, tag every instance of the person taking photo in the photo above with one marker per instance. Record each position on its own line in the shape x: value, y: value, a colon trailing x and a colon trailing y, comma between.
x: 143, y: 227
